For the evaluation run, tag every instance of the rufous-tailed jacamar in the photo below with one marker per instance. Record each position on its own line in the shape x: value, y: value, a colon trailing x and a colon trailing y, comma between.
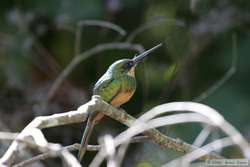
x: 116, y: 87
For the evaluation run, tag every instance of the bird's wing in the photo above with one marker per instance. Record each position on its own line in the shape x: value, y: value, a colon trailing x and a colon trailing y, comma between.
x: 107, y: 88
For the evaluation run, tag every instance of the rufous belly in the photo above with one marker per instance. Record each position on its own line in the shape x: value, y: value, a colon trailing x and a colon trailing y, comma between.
x: 122, y: 98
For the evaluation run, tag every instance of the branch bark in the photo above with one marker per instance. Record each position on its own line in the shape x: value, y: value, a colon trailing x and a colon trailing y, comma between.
x: 80, y: 115
x: 73, y: 147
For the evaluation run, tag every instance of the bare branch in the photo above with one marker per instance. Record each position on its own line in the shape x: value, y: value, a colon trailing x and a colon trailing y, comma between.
x: 96, y: 104
x: 211, y: 114
x: 69, y: 159
x: 8, y: 135
x: 73, y: 147
x: 226, y: 77
x: 50, y: 155
x: 79, y: 58
x: 201, y: 138
x: 40, y: 123
x: 155, y: 135
x: 195, y: 113
x: 99, y: 23
x: 105, y: 24
x: 188, y: 158
x: 108, y: 143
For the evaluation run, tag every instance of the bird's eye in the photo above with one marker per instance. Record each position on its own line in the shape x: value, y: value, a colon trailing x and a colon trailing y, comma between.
x: 128, y: 65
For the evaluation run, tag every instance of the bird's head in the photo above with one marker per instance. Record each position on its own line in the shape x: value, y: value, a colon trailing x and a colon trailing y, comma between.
x: 127, y: 66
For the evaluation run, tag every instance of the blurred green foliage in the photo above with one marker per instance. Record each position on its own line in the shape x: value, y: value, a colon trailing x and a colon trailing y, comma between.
x: 37, y: 43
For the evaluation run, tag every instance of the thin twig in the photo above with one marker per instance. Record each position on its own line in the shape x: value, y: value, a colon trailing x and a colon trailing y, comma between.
x: 8, y: 135
x: 105, y: 24
x: 108, y: 144
x: 69, y: 159
x: 226, y: 77
x: 97, y: 161
x: 201, y: 138
x: 188, y: 158
x: 53, y: 150
x: 73, y: 147
x: 78, y: 59
x: 99, y: 23
x: 121, y: 152
x: 51, y: 155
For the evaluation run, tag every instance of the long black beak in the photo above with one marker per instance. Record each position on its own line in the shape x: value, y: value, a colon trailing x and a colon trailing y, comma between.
x: 142, y: 56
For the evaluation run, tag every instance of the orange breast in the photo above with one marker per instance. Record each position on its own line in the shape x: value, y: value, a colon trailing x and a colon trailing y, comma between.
x: 122, y: 98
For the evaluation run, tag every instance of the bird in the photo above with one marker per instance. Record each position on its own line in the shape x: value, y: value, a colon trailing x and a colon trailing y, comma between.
x: 116, y: 87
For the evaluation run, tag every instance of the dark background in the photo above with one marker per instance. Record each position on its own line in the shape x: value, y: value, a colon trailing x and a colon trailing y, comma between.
x: 201, y: 39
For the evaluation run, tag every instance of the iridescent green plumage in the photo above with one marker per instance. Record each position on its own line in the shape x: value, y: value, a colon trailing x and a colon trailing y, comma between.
x: 116, y: 87
x: 116, y: 80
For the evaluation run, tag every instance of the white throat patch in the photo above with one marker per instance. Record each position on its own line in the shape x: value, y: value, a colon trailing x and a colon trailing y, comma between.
x: 131, y: 72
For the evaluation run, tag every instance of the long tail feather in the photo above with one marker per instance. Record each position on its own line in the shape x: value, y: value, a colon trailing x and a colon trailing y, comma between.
x: 86, y: 135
